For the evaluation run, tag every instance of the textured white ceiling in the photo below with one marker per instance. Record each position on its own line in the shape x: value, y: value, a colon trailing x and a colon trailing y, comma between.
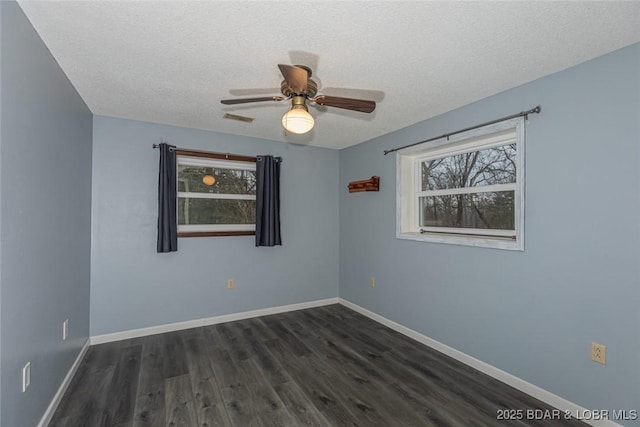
x: 171, y: 62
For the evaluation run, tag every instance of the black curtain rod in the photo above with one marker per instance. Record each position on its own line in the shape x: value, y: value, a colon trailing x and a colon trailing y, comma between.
x: 171, y: 147
x: 535, y: 110
x: 228, y: 156
x: 205, y: 153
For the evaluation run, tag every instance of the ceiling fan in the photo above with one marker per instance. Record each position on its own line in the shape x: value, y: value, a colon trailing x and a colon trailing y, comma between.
x: 298, y: 87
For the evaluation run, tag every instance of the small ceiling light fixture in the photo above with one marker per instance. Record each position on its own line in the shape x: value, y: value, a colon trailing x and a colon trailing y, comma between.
x: 208, y: 180
x: 297, y: 119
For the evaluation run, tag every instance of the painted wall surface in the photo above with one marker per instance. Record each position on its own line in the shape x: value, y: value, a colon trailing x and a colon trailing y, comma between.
x: 133, y: 287
x: 532, y: 313
x: 0, y: 218
x: 45, y: 166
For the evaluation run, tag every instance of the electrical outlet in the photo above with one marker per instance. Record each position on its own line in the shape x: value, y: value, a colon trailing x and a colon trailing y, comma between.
x: 231, y: 284
x: 26, y: 376
x: 599, y: 353
x: 65, y: 329
x: 372, y: 282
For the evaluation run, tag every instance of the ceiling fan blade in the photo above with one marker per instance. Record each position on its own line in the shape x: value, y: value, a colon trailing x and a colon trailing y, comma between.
x: 248, y: 100
x: 361, y: 105
x: 295, y: 76
x: 307, y: 58
x: 374, y: 95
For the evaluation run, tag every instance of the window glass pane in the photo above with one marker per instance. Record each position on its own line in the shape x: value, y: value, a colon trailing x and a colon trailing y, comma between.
x: 491, y: 210
x: 216, y: 211
x: 485, y: 167
x: 203, y: 179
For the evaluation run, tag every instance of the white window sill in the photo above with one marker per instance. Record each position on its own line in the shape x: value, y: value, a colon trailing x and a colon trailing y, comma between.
x: 452, y: 239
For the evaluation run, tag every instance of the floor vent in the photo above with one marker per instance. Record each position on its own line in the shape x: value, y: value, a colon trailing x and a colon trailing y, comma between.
x: 238, y: 118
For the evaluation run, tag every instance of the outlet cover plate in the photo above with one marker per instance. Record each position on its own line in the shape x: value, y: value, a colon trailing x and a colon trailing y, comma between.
x: 65, y: 329
x: 599, y: 353
x: 26, y: 376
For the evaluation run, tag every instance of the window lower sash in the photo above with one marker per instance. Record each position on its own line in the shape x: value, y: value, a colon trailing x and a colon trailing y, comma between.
x: 206, y: 230
x: 509, y: 234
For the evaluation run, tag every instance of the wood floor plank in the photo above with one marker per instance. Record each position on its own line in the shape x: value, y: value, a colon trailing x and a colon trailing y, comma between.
x: 175, y: 363
x: 179, y: 403
x: 209, y: 405
x: 324, y: 366
x: 322, y: 396
x: 59, y: 421
x: 233, y: 341
x: 238, y: 403
x: 312, y: 318
x: 225, y: 369
x: 271, y: 368
x: 89, y: 406
x: 121, y: 395
x: 363, y: 342
x: 261, y: 331
x: 479, y: 392
x: 149, y: 404
x: 361, y: 376
x: 297, y: 347
x: 299, y: 406
x: 367, y: 408
x: 77, y: 387
x: 269, y: 409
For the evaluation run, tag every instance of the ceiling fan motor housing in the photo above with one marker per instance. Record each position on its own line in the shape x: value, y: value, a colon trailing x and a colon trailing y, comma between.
x: 287, y: 91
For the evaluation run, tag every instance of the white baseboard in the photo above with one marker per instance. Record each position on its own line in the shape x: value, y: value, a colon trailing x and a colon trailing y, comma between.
x: 170, y: 327
x: 515, y: 382
x: 51, y: 409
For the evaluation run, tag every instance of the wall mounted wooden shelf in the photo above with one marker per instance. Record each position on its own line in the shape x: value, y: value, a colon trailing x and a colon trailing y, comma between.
x: 371, y: 184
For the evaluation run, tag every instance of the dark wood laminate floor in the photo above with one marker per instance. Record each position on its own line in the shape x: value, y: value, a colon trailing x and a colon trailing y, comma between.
x: 326, y: 366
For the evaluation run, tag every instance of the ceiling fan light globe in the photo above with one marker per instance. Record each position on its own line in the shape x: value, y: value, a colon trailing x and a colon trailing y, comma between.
x: 298, y: 121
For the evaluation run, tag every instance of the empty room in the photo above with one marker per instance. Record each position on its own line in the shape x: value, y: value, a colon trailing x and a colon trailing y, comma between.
x: 323, y: 213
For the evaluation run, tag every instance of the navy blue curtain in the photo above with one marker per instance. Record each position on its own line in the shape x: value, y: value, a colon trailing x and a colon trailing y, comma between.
x: 167, y: 196
x: 268, y: 201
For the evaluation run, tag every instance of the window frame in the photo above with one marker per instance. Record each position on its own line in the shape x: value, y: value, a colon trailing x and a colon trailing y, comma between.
x: 408, y: 187
x: 220, y: 160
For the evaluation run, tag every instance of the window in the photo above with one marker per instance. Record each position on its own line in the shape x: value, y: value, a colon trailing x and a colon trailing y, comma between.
x: 468, y: 189
x: 216, y: 196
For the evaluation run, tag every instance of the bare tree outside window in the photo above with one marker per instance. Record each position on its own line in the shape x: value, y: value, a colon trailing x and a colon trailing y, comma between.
x: 216, y: 195
x: 450, y: 206
x: 216, y: 211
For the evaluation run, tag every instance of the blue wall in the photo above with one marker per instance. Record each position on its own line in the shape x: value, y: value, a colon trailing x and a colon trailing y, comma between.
x: 132, y: 286
x: 45, y: 194
x: 1, y: 32
x: 533, y: 313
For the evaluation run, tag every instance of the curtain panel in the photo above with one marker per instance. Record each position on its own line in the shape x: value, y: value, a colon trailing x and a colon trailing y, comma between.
x: 268, y: 201
x: 167, y: 199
